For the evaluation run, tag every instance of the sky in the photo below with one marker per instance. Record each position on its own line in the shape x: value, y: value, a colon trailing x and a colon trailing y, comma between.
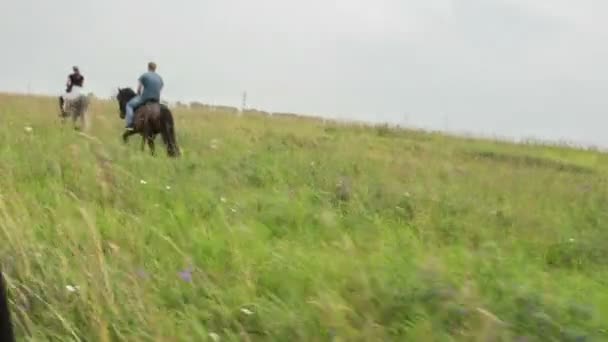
x: 510, y: 68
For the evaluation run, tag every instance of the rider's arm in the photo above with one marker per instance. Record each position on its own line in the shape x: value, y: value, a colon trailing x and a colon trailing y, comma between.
x: 139, y: 88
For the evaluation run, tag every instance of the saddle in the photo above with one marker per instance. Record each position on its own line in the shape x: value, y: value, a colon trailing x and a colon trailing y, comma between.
x: 146, y: 102
x: 141, y: 113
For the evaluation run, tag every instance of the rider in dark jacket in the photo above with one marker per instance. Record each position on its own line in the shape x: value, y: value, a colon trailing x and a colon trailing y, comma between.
x: 74, y: 79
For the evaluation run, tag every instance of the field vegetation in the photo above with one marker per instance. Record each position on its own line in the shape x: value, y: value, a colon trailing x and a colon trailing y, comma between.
x: 285, y: 228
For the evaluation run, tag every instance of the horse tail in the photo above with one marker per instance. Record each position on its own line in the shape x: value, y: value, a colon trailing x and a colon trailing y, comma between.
x: 61, y: 101
x: 168, y: 131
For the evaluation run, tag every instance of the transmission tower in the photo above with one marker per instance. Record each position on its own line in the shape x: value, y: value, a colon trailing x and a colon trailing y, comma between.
x: 244, y: 102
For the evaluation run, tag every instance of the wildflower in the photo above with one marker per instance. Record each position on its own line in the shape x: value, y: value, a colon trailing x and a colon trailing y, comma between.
x: 233, y: 210
x: 214, y: 143
x: 28, y: 129
x: 24, y: 304
x: 143, y: 182
x: 247, y: 311
x: 332, y: 333
x: 141, y: 273
x: 214, y: 337
x: 571, y: 240
x: 168, y: 187
x: 186, y: 274
x: 113, y: 246
x: 223, y: 199
x: 71, y: 288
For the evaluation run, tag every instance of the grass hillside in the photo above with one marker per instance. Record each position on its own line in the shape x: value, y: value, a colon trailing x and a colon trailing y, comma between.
x: 291, y: 229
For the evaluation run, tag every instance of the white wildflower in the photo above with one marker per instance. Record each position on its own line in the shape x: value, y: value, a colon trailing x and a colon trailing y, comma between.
x: 168, y: 187
x: 71, y: 288
x: 223, y: 199
x: 233, y: 210
x: 28, y: 129
x: 214, y: 143
x: 113, y: 246
x: 247, y: 311
x: 141, y: 181
x: 214, y: 337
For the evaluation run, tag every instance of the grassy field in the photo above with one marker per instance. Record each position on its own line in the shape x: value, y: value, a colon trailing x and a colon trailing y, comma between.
x: 291, y: 229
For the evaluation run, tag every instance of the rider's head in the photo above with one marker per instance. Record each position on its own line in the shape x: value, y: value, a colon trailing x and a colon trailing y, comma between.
x: 152, y: 66
x: 75, y: 69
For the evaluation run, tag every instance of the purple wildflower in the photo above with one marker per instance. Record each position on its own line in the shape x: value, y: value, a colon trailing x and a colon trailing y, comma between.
x: 186, y: 274
x: 141, y: 273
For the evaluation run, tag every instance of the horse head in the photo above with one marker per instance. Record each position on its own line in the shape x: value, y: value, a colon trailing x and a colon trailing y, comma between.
x: 123, y: 96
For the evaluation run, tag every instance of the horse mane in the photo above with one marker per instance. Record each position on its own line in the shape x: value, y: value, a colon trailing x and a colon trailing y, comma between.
x: 127, y: 91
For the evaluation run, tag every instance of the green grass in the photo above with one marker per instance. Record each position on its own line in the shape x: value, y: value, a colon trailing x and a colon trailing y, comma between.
x: 296, y: 230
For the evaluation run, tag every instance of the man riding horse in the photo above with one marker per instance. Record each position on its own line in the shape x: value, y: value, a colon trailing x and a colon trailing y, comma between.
x: 144, y: 114
x: 73, y: 87
x: 148, y: 90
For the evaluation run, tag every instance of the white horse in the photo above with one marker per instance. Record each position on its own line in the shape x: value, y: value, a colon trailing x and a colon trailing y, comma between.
x: 74, y: 104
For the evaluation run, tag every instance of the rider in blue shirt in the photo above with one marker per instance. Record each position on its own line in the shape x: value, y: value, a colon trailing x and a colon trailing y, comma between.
x: 150, y: 86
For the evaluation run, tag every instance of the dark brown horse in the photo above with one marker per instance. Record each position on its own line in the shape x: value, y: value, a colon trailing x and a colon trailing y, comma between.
x: 150, y: 119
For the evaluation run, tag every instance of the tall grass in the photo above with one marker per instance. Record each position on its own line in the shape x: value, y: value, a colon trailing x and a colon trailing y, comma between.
x: 290, y: 229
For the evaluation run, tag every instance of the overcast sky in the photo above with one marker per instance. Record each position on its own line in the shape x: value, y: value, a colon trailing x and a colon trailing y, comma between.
x: 507, y: 67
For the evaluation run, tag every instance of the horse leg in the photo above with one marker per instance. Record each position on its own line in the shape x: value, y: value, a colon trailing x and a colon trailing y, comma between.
x: 84, y: 123
x: 62, y: 106
x: 62, y: 110
x: 80, y: 119
x: 151, y: 143
x: 148, y: 135
x: 74, y: 119
x: 126, y: 135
